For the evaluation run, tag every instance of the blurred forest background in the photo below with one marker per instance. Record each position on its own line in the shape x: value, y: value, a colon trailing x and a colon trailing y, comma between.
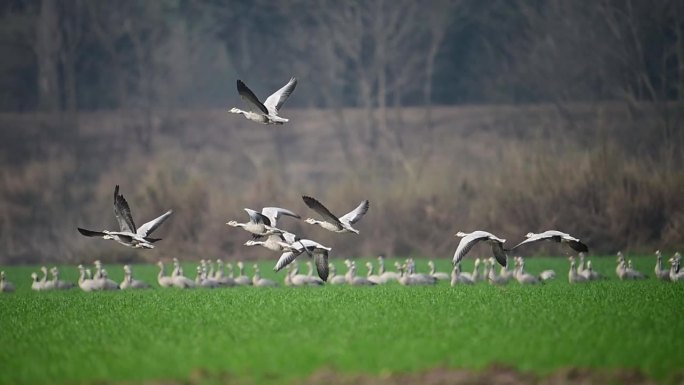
x: 510, y: 116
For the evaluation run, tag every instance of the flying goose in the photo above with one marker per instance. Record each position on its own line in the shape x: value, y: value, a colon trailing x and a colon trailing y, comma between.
x: 266, y: 112
x: 128, y: 234
x: 263, y: 223
x: 5, y: 285
x: 556, y: 236
x: 332, y: 223
x: 130, y: 283
x: 333, y: 278
x: 468, y: 240
x: 313, y: 248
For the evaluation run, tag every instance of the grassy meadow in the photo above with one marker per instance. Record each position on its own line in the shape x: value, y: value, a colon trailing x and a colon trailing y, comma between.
x: 274, y: 335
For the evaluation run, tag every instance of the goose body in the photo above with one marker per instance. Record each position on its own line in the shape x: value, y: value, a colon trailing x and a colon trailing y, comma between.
x: 266, y: 112
x: 220, y: 276
x: 86, y: 284
x: 5, y: 285
x: 573, y: 276
x: 662, y: 274
x: 261, y: 225
x: 313, y: 249
x: 333, y: 278
x: 128, y: 234
x: 162, y: 279
x: 202, y: 279
x: 555, y: 236
x: 58, y: 284
x: 242, y: 279
x: 129, y: 282
x: 353, y: 280
x: 386, y: 275
x: 468, y: 240
x: 332, y: 223
x: 36, y: 284
x: 376, y: 279
x: 441, y: 276
x: 457, y: 278
x: 257, y: 281
x: 523, y: 277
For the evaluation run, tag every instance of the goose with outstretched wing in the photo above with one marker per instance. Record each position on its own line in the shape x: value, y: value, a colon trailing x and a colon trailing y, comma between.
x: 313, y: 249
x: 263, y: 223
x: 468, y: 240
x: 332, y: 223
x: 266, y: 112
x: 555, y: 236
x: 128, y: 235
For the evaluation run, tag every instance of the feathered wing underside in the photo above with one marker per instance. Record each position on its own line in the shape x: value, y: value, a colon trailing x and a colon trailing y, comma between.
x: 533, y: 238
x: 321, y: 261
x: 464, y: 247
x: 285, y: 259
x: 318, y: 207
x: 578, y: 246
x: 274, y: 102
x: 356, y: 214
x: 123, y: 212
x: 499, y: 253
x: 90, y: 233
x: 152, y: 225
x: 248, y: 95
x: 274, y: 214
x: 258, y: 217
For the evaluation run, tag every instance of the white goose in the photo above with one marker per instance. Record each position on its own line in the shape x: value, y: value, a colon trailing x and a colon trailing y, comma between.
x: 332, y: 223
x: 261, y: 282
x: 86, y: 284
x: 521, y: 276
x: 675, y: 274
x: 259, y: 224
x: 590, y: 274
x: 202, y: 280
x: 459, y: 278
x: 266, y: 112
x: 490, y: 273
x: 242, y: 279
x: 386, y: 275
x: 221, y: 277
x: 407, y: 279
x: 573, y: 276
x: 310, y: 275
x: 376, y: 279
x: 128, y: 235
x: 129, y: 282
x: 333, y: 278
x: 36, y: 284
x: 437, y: 274
x: 57, y: 284
x: 44, y: 282
x: 162, y: 279
x: 468, y: 240
x: 555, y: 236
x: 353, y: 280
x: 662, y: 274
x: 105, y: 283
x: 301, y: 279
x: 5, y: 285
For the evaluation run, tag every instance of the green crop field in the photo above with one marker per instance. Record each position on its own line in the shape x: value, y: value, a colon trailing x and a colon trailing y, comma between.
x: 275, y: 335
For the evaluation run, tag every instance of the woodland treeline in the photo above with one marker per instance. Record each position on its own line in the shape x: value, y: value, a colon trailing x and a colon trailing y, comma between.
x: 510, y: 115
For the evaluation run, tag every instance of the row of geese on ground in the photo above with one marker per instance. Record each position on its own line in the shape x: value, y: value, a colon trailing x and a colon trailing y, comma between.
x: 210, y: 277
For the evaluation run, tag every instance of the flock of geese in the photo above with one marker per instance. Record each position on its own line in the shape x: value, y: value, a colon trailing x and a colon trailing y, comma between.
x: 210, y: 275
x: 264, y: 230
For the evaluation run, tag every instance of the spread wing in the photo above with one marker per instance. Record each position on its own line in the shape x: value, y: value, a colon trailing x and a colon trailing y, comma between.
x: 258, y: 217
x: 321, y: 210
x: 356, y: 214
x: 499, y: 253
x: 123, y: 212
x: 321, y: 261
x: 464, y: 247
x: 152, y: 225
x: 285, y: 259
x: 90, y: 233
x: 248, y: 95
x: 274, y: 213
x: 275, y: 101
x: 578, y: 246
x: 534, y: 238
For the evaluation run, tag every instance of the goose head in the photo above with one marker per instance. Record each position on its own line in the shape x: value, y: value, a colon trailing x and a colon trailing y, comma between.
x: 460, y: 234
x: 232, y: 223
x: 310, y: 221
x: 431, y: 264
x: 249, y: 243
x: 34, y: 276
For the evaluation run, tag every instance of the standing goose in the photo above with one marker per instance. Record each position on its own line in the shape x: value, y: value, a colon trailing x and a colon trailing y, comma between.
x: 5, y: 285
x: 662, y: 274
x: 261, y: 282
x: 490, y: 273
x: 459, y: 278
x: 437, y: 274
x: 57, y: 284
x: 202, y: 280
x: 46, y: 284
x: 333, y: 278
x: 106, y: 283
x: 310, y: 275
x: 36, y: 284
x: 590, y: 274
x: 128, y: 234
x: 314, y: 249
x: 242, y: 279
x: 162, y: 279
x: 376, y: 279
x: 86, y: 284
x: 220, y: 276
x: 266, y: 112
x: 521, y: 276
x: 635, y: 274
x: 573, y: 276
x: 386, y: 275
x: 129, y: 282
x: 468, y: 240
x: 556, y: 236
x: 332, y: 223
x: 353, y: 280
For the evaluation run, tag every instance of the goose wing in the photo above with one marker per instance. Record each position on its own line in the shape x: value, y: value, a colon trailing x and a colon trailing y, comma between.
x: 90, y: 233
x: 274, y: 213
x: 275, y: 101
x: 535, y: 238
x: 285, y: 259
x: 578, y: 246
x: 248, y: 95
x: 356, y: 214
x: 465, y: 245
x: 499, y: 253
x: 321, y: 261
x: 123, y: 212
x: 258, y: 217
x: 152, y: 225
x: 321, y: 210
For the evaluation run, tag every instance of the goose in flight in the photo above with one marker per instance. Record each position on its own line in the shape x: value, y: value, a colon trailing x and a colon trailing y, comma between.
x: 266, y: 112
x: 263, y: 223
x: 128, y: 234
x: 314, y: 249
x: 556, y: 236
x: 332, y: 223
x: 468, y: 240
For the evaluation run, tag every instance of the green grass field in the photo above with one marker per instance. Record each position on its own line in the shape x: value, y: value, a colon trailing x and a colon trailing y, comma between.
x: 276, y: 335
